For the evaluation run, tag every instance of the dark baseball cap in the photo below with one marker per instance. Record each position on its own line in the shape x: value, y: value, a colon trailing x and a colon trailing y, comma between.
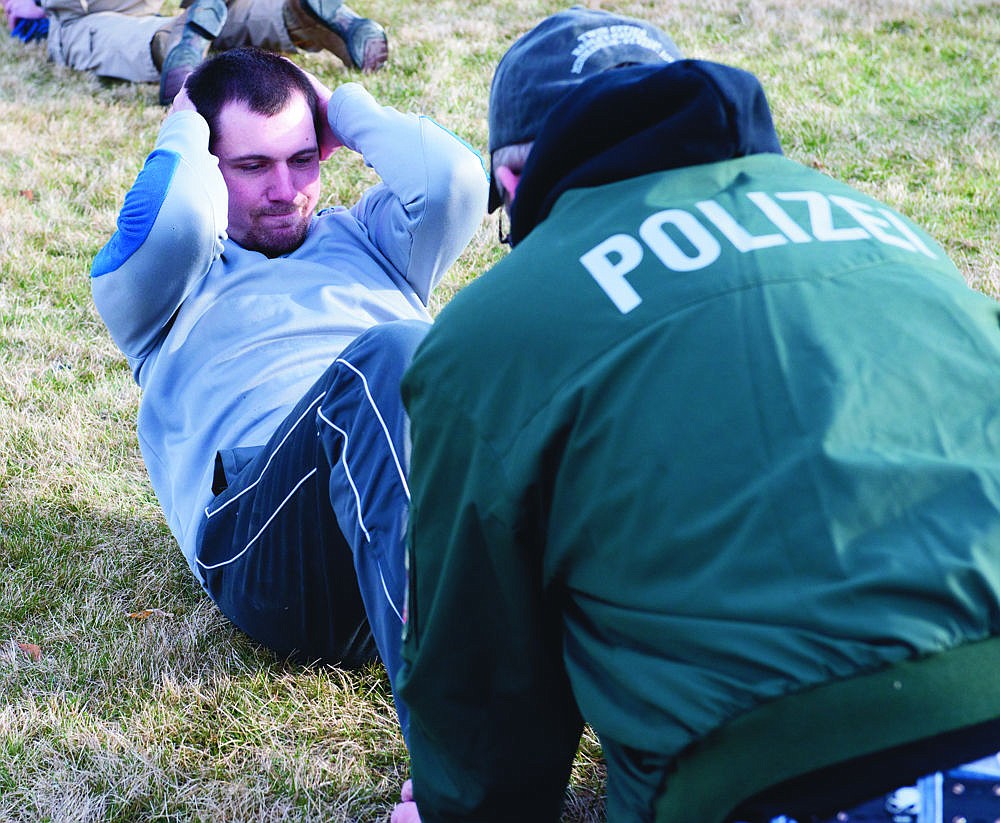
x: 555, y: 57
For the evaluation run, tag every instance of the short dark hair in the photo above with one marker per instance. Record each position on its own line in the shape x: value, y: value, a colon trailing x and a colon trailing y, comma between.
x: 262, y: 80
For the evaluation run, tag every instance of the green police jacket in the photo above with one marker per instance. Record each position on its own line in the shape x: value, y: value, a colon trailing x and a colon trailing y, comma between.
x: 705, y: 438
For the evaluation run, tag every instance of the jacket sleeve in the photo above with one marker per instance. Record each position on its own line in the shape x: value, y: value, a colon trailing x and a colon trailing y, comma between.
x: 434, y: 186
x: 494, y: 727
x: 170, y: 230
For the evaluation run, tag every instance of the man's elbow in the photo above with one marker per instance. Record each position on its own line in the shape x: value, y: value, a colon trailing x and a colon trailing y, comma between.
x: 469, y: 192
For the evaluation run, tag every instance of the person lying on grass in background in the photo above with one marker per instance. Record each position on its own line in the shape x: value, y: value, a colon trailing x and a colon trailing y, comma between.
x: 130, y: 40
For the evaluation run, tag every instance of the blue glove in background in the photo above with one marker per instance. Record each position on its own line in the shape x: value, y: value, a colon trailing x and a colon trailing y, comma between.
x: 28, y: 30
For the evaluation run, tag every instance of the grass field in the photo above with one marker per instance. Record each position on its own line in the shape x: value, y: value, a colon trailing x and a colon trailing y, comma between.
x: 176, y: 716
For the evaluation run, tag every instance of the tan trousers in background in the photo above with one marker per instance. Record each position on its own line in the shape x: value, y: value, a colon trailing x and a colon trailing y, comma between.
x: 115, y: 43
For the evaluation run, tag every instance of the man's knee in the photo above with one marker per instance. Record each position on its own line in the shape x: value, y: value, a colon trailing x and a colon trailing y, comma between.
x: 383, y: 352
x: 397, y: 339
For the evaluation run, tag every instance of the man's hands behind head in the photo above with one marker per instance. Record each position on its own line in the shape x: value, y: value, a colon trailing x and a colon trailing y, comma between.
x: 182, y: 102
x: 328, y: 141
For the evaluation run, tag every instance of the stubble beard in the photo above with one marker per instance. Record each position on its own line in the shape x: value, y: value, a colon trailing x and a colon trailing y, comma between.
x: 274, y: 242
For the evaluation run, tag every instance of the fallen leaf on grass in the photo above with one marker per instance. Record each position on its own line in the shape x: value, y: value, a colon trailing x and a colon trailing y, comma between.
x: 144, y: 613
x: 28, y: 195
x: 30, y: 649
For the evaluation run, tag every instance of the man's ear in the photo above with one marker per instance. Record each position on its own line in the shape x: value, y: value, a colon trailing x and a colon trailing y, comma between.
x: 508, y: 178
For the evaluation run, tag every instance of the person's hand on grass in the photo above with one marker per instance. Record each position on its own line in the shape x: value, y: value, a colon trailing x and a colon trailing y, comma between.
x: 17, y: 10
x: 405, y: 811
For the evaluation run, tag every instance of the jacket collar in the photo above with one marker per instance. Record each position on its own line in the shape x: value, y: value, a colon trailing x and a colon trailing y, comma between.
x: 637, y: 120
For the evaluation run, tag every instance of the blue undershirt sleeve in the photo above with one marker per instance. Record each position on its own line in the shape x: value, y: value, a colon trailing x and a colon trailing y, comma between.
x: 136, y: 218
